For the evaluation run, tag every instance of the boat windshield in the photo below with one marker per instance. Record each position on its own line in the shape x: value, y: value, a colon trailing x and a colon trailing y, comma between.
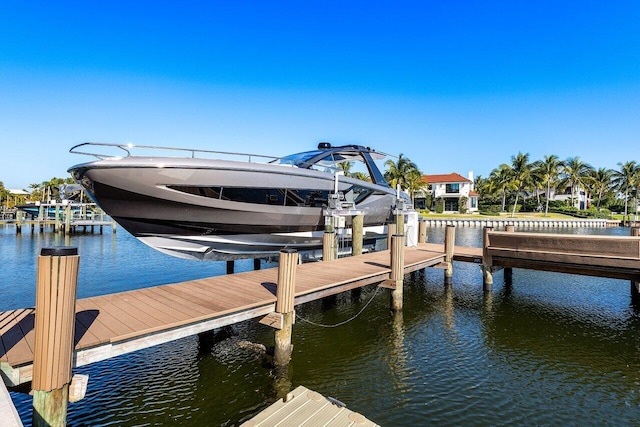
x: 298, y: 159
x: 353, y: 162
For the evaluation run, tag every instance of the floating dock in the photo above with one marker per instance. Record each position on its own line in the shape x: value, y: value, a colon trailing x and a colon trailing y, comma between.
x: 306, y: 408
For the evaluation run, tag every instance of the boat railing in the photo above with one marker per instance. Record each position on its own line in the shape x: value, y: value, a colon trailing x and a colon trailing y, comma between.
x: 95, y: 149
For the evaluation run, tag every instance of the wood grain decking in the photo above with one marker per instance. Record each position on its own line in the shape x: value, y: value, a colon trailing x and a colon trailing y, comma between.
x: 110, y: 325
x: 306, y: 408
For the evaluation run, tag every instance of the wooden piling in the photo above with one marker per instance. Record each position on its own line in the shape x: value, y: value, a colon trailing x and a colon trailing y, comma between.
x: 57, y: 225
x: 399, y: 220
x: 54, y: 331
x: 508, y: 271
x: 635, y: 284
x: 285, y: 293
x: 391, y: 230
x: 422, y: 232
x: 487, y: 262
x: 397, y: 271
x: 328, y: 239
x: 449, y: 245
x: 19, y: 220
x: 357, y: 231
x: 67, y: 219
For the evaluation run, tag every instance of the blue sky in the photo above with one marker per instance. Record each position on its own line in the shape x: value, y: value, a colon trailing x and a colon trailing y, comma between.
x: 453, y: 85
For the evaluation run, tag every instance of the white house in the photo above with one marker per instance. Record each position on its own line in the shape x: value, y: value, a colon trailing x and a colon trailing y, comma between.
x: 451, y: 187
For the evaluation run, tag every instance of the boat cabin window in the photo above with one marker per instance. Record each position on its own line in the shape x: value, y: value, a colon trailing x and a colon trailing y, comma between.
x: 262, y: 196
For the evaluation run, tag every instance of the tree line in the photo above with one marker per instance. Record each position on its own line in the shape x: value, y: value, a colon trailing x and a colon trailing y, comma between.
x: 44, y: 191
x: 607, y: 189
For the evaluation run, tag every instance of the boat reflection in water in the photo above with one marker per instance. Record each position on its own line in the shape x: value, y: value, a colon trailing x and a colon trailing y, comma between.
x: 222, y: 209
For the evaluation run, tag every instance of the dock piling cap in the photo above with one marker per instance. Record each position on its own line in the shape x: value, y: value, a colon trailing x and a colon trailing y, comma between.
x: 59, y: 251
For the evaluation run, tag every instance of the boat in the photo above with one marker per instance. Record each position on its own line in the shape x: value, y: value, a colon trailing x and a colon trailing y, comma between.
x: 214, y: 205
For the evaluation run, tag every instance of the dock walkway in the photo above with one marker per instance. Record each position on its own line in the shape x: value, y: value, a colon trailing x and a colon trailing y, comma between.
x: 115, y: 324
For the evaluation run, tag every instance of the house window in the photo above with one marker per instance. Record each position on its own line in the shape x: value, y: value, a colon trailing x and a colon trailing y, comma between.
x: 451, y: 204
x: 452, y: 188
x: 473, y: 202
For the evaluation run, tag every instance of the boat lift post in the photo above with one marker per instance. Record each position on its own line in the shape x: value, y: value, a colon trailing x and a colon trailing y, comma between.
x: 341, y: 206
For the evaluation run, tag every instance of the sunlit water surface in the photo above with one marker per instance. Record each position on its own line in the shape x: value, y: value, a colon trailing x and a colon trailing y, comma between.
x: 551, y: 349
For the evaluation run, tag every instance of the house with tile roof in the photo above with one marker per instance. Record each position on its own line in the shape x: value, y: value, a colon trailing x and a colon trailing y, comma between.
x: 452, y: 188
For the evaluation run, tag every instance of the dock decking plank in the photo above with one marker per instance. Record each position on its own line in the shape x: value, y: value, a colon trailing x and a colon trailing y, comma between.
x: 162, y: 295
x: 103, y: 325
x: 193, y: 297
x: 15, y: 344
x: 139, y: 316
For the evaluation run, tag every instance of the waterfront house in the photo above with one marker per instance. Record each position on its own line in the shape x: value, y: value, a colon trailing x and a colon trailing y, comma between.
x: 580, y: 198
x: 456, y: 191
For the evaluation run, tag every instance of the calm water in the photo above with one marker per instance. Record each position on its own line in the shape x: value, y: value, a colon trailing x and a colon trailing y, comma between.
x: 551, y: 349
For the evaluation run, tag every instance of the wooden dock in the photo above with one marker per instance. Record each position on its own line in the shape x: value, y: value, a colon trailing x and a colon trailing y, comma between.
x: 62, y: 219
x: 111, y: 325
x: 306, y: 408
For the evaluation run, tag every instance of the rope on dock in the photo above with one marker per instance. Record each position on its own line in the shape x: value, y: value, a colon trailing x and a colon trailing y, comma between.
x: 343, y: 322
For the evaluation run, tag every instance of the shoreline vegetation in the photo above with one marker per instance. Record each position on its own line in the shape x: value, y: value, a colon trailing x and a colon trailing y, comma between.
x: 508, y: 216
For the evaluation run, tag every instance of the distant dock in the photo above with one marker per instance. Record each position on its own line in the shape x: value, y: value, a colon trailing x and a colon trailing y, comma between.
x: 65, y: 218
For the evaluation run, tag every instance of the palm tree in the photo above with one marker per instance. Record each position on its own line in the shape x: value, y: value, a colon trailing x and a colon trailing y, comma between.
x: 36, y: 191
x: 399, y: 173
x: 626, y: 179
x: 345, y: 167
x: 547, y: 172
x: 600, y: 182
x: 415, y: 183
x: 362, y: 176
x: 574, y: 173
x: 501, y: 180
x: 521, y: 175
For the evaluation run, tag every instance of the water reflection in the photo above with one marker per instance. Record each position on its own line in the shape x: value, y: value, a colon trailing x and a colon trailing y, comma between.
x: 397, y: 351
x: 448, y: 306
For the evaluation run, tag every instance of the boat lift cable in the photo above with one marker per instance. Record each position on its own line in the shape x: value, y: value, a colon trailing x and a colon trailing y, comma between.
x: 343, y: 322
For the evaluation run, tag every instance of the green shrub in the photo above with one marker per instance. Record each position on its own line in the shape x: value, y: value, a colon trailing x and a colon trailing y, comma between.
x: 463, y: 205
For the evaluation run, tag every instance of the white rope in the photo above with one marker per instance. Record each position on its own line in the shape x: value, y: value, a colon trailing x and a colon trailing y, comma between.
x: 344, y: 322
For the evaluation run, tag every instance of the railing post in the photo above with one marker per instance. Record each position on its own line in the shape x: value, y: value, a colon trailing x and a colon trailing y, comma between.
x: 285, y: 294
x: 397, y: 271
x: 449, y: 245
x: 487, y: 262
x: 357, y: 231
x: 54, y: 333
